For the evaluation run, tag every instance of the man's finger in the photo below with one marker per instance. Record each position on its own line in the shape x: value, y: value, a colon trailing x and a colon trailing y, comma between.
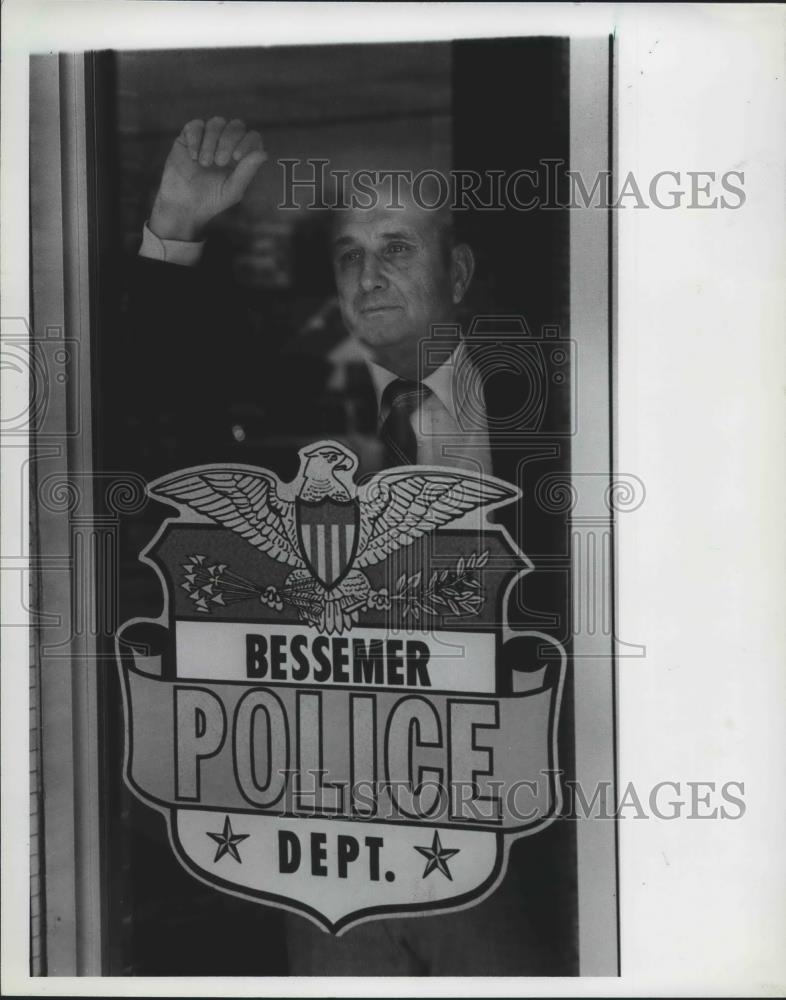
x: 191, y: 136
x: 251, y: 142
x: 213, y: 130
x: 228, y: 140
x: 242, y: 175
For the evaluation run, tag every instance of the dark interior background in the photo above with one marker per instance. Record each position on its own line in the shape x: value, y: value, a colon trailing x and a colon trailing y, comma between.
x: 498, y: 104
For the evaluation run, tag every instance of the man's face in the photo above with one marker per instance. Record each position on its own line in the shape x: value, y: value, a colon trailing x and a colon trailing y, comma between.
x: 393, y: 277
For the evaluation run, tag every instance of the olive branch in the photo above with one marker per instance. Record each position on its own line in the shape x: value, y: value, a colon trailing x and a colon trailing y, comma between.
x: 457, y: 591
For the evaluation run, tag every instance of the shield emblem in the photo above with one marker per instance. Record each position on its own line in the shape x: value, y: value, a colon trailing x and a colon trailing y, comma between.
x: 328, y: 535
x: 310, y: 772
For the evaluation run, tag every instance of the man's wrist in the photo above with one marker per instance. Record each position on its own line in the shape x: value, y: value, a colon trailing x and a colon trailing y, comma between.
x: 169, y: 222
x: 182, y: 252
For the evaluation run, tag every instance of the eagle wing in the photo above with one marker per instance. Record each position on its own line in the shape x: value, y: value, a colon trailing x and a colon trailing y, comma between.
x: 243, y: 499
x: 399, y: 507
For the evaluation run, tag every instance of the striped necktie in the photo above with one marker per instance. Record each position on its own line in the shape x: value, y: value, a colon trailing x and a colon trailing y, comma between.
x: 399, y: 401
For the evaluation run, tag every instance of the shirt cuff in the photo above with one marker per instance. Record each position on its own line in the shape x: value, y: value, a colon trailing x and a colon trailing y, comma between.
x: 172, y: 251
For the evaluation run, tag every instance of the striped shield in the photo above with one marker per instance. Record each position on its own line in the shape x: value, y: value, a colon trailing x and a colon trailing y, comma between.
x: 328, y: 534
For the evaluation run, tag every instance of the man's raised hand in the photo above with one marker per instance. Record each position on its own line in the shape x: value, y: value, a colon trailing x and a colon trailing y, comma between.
x: 208, y: 169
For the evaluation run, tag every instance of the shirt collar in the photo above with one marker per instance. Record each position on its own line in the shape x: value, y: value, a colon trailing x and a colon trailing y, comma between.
x: 440, y: 381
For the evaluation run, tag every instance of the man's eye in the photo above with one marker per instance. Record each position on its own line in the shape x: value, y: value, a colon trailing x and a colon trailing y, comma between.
x: 396, y: 248
x: 349, y: 256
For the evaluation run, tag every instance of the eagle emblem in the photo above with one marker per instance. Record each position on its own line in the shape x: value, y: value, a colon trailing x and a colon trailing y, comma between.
x: 327, y: 529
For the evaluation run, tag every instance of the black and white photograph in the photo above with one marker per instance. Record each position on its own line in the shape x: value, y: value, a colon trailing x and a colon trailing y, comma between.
x: 362, y: 483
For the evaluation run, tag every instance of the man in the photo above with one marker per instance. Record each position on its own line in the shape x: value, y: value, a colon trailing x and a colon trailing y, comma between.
x: 399, y: 273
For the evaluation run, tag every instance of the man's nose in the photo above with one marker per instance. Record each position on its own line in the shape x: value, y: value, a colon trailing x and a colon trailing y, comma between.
x: 372, y: 276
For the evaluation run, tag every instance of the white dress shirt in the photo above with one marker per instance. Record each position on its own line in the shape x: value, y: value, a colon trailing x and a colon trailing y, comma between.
x: 440, y: 437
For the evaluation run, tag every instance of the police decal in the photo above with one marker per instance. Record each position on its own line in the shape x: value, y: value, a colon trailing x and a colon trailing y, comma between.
x: 333, y: 711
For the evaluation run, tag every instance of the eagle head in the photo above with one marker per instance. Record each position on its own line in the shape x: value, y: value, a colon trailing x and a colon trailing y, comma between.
x: 327, y: 469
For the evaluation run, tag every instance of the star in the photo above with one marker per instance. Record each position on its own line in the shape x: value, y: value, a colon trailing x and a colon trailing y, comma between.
x: 437, y: 857
x: 227, y: 842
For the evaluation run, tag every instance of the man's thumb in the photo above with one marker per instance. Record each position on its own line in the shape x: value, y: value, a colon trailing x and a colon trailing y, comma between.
x: 237, y: 182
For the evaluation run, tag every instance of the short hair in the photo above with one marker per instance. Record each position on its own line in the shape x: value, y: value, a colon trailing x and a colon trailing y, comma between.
x: 447, y: 234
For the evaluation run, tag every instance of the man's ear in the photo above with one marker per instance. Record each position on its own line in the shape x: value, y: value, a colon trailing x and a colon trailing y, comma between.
x: 462, y: 267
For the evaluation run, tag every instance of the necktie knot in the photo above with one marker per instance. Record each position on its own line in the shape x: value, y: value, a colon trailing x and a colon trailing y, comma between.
x: 399, y: 401
x: 402, y: 395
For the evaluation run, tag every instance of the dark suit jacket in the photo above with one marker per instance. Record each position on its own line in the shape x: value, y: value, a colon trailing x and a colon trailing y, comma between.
x: 200, y: 359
